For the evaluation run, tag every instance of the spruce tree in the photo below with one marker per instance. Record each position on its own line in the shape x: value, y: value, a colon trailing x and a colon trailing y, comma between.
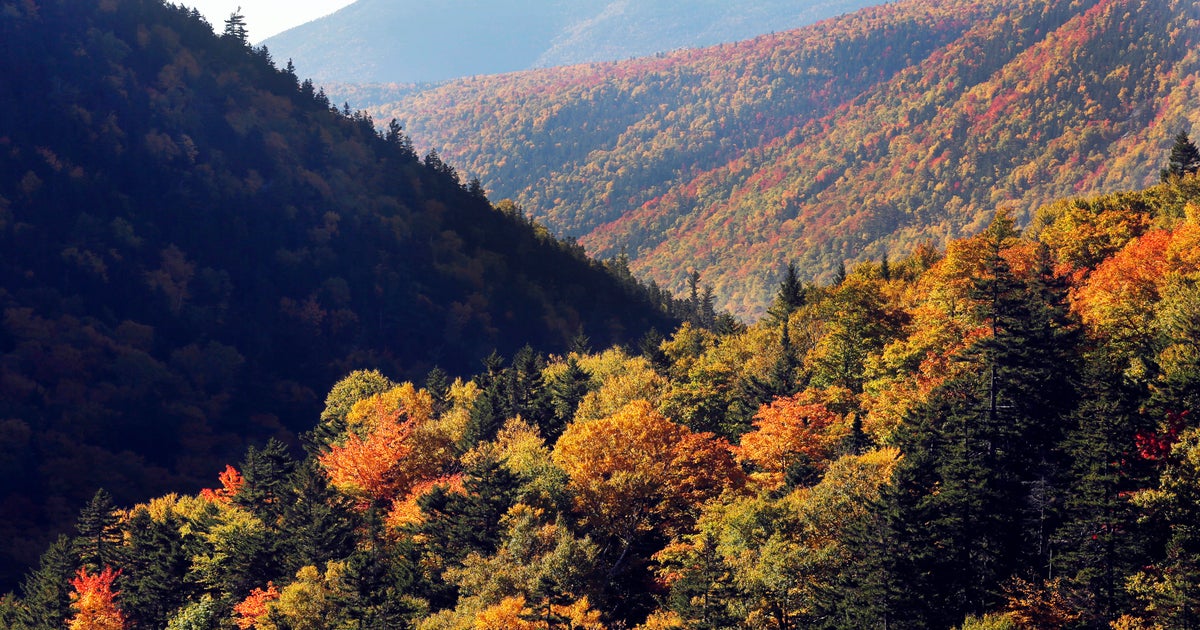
x: 317, y: 522
x: 152, y: 581
x: 566, y: 391
x: 99, y: 542
x: 47, y: 591
x: 1184, y: 159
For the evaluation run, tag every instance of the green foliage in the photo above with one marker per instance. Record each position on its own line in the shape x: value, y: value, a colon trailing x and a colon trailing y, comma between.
x: 1184, y: 160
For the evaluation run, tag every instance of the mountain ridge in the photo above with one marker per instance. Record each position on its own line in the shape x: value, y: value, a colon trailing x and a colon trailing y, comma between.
x: 924, y: 150
x: 375, y: 41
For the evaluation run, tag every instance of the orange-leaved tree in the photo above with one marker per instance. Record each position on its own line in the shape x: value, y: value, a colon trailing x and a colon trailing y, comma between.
x: 790, y: 432
x: 636, y: 471
x: 94, y: 601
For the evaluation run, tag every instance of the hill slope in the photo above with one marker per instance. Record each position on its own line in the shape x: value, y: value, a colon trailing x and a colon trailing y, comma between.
x: 193, y: 247
x: 412, y: 41
x: 848, y: 139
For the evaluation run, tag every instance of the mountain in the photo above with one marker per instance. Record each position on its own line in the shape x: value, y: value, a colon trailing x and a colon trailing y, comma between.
x: 407, y: 41
x: 854, y: 138
x: 194, y: 246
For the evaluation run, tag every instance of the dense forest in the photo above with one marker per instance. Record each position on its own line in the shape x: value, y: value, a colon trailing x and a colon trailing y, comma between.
x: 858, y: 136
x: 409, y: 41
x: 194, y: 244
x: 998, y: 435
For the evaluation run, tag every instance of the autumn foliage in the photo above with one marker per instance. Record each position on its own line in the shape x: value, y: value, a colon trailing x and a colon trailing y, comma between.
x: 94, y: 601
x: 253, y: 609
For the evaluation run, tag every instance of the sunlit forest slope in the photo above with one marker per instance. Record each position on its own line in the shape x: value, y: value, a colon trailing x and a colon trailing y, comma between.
x: 1000, y: 435
x: 843, y: 141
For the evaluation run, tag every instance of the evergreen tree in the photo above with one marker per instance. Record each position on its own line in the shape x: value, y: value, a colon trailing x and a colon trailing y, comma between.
x: 152, y: 581
x: 437, y: 383
x: 235, y: 27
x: 458, y: 524
x: 525, y: 388
x: 789, y: 296
x: 47, y: 591
x: 490, y: 410
x: 1184, y: 160
x: 99, y: 542
x: 318, y: 523
x: 566, y: 391
x: 266, y: 473
x: 1100, y: 542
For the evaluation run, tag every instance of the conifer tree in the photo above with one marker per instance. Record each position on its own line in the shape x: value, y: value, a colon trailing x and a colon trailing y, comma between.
x: 266, y: 474
x: 317, y: 522
x: 47, y: 591
x: 235, y: 27
x: 1184, y: 159
x: 566, y: 391
x: 99, y: 542
x: 153, y: 575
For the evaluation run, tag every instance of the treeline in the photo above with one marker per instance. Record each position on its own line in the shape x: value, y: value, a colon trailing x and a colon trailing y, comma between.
x: 866, y: 134
x: 999, y: 435
x: 194, y: 243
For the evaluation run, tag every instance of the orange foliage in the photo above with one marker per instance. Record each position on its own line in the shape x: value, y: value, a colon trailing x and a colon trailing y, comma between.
x: 636, y: 470
x: 405, y: 510
x: 788, y: 429
x: 95, y: 602
x: 1117, y: 298
x: 231, y: 481
x: 253, y: 609
x: 371, y: 468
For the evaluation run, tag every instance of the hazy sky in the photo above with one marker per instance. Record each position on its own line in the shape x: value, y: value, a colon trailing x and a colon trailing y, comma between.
x: 265, y: 18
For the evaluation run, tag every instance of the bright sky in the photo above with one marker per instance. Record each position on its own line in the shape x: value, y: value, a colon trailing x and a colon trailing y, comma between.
x: 265, y: 18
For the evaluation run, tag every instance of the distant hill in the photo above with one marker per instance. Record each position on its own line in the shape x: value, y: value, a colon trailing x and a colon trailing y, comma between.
x: 407, y: 41
x: 850, y: 139
x: 194, y: 247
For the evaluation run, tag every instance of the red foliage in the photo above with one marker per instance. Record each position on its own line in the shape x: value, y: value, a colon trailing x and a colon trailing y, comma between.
x: 95, y: 601
x: 1157, y: 446
x: 231, y: 481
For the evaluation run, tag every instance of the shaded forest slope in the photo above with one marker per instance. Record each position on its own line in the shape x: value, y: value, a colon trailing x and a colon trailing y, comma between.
x: 194, y: 245
x: 850, y: 139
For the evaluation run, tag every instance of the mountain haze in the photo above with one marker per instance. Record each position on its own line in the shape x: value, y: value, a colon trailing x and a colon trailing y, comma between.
x: 406, y: 41
x: 853, y: 138
x: 194, y: 246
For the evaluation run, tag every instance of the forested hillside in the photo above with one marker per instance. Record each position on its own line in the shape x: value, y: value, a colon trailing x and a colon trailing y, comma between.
x: 855, y: 137
x: 999, y: 435
x: 406, y: 41
x: 194, y: 245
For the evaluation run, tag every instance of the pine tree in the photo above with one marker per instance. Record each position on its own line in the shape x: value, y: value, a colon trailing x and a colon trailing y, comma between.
x: 1184, y: 160
x: 789, y: 296
x: 566, y: 391
x: 235, y: 27
x: 437, y: 383
x: 266, y: 473
x: 99, y: 542
x: 47, y: 590
x: 153, y: 575
x: 317, y: 522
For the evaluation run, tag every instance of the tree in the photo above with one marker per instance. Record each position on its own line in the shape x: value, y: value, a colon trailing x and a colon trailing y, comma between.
x: 566, y: 391
x: 1184, y: 160
x: 46, y: 595
x: 94, y: 601
x: 154, y: 571
x: 636, y: 472
x: 99, y: 542
x: 789, y: 296
x: 235, y: 27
